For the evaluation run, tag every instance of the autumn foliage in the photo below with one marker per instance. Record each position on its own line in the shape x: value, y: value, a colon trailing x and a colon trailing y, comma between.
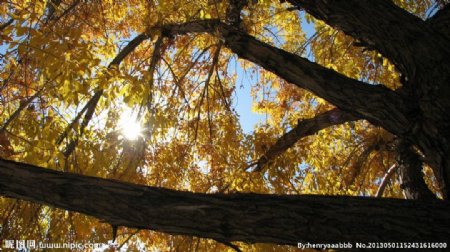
x: 69, y: 69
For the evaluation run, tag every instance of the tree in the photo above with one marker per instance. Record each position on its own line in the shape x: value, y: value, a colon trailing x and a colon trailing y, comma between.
x: 360, y: 105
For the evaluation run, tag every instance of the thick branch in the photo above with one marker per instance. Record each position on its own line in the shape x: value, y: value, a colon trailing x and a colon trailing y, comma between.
x: 304, y: 128
x: 250, y: 218
x: 375, y: 103
x: 128, y: 49
x: 440, y: 22
x: 379, y: 24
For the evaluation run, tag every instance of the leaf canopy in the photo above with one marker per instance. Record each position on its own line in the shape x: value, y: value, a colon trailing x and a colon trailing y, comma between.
x: 70, y: 68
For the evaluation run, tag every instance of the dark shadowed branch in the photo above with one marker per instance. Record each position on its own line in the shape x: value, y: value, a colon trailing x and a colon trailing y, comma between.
x: 280, y: 219
x: 304, y: 128
x: 378, y: 24
x: 440, y: 22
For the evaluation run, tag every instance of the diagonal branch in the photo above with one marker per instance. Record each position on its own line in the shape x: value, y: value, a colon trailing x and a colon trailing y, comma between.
x: 304, y: 128
x: 375, y: 103
x: 385, y: 180
x: 378, y: 24
x: 72, y: 124
x: 51, y: 7
x: 6, y: 24
x: 91, y: 105
x: 128, y: 49
x: 151, y: 69
x: 17, y: 112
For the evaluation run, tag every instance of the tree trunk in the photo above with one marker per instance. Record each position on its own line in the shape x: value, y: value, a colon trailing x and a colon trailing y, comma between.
x: 286, y: 219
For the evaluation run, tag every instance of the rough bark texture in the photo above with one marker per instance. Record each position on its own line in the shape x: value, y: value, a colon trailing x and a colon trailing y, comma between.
x: 378, y: 24
x: 420, y: 51
x: 233, y: 217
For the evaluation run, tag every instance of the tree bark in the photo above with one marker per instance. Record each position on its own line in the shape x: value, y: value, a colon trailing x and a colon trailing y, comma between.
x: 440, y: 22
x: 374, y: 103
x: 419, y: 49
x: 280, y: 219
x: 380, y: 25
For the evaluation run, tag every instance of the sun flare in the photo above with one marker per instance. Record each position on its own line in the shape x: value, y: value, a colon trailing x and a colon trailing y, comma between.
x: 129, y: 125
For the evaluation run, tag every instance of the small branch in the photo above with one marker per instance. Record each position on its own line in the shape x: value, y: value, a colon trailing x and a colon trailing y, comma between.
x: 176, y: 80
x: 52, y: 5
x: 74, y: 121
x: 222, y: 91
x: 18, y: 110
x: 128, y: 238
x: 211, y: 72
x: 67, y: 11
x: 92, y: 104
x: 8, y: 23
x: 205, y: 89
x: 154, y: 60
x: 385, y: 180
x: 362, y: 158
x: 231, y: 245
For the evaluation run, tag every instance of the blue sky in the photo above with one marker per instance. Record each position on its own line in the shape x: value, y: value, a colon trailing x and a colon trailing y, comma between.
x: 243, y: 100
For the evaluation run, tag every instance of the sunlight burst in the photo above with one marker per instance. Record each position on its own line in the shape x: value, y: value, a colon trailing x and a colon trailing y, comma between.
x: 129, y: 125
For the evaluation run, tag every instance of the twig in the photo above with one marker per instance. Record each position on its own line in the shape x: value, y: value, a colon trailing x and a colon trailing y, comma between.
x: 231, y: 245
x: 385, y: 180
